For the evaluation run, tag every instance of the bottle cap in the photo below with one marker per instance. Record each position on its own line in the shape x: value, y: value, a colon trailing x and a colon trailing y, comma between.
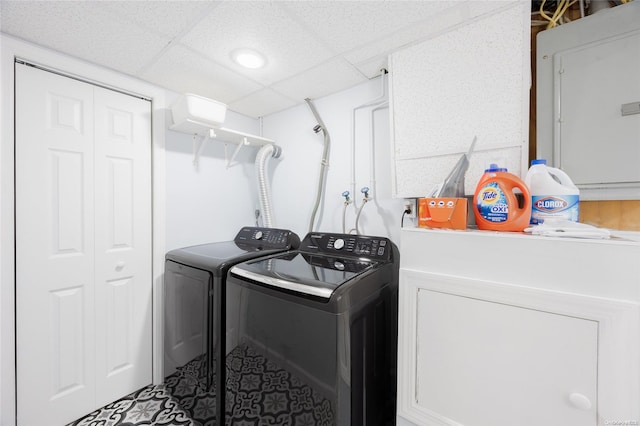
x: 493, y: 168
x: 538, y: 161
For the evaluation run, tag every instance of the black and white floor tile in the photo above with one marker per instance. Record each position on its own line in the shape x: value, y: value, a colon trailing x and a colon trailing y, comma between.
x: 260, y: 393
x: 152, y: 405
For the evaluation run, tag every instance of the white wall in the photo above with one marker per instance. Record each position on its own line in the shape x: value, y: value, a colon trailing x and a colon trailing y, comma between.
x: 211, y: 202
x: 208, y: 202
x: 295, y: 174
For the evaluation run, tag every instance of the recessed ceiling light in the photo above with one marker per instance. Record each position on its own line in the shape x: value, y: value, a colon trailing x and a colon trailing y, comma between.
x: 248, y: 58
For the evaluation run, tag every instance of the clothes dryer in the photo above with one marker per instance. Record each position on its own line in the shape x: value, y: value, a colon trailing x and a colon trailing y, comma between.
x: 194, y: 294
x: 312, y: 334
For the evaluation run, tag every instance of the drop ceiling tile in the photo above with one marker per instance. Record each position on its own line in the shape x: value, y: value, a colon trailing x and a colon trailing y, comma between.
x: 345, y: 25
x: 431, y: 26
x: 169, y: 18
x: 314, y: 83
x: 87, y: 30
x: 144, y: 38
x: 261, y: 103
x: 262, y: 26
x: 185, y: 71
x: 372, y: 67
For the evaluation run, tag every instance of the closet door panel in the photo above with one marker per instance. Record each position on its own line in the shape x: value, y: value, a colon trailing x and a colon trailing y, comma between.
x: 54, y: 247
x: 83, y: 246
x: 123, y: 243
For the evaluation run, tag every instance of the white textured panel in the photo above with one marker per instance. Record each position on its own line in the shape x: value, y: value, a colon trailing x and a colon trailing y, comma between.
x: 66, y: 321
x: 429, y: 27
x: 186, y: 71
x: 88, y: 30
x: 465, y: 82
x: 120, y: 125
x: 263, y: 102
x: 67, y: 209
x: 65, y: 112
x: 141, y: 37
x: 119, y: 307
x: 311, y: 84
x: 417, y: 177
x: 263, y: 26
x: 166, y: 17
x: 348, y: 24
x: 120, y: 201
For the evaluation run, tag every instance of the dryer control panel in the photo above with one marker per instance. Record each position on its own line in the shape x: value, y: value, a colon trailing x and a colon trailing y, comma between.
x: 267, y: 238
x: 376, y: 248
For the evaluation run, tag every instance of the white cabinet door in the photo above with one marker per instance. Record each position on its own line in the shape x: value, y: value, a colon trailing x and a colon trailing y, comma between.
x: 83, y: 246
x: 488, y: 364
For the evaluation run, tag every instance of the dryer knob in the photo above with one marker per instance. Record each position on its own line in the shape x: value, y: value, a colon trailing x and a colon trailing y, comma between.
x: 258, y: 235
x: 338, y: 244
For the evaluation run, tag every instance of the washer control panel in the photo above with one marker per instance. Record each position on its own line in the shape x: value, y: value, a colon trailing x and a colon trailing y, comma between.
x: 378, y: 248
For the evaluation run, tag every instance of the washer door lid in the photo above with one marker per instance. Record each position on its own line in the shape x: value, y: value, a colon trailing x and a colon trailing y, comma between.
x: 318, y: 289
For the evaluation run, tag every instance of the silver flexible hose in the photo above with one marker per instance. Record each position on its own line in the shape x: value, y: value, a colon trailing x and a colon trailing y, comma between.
x: 364, y: 201
x: 323, y: 164
x: 344, y: 220
x: 264, y: 188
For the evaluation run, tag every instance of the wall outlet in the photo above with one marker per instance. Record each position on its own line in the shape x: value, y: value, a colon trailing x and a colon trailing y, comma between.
x: 411, y: 205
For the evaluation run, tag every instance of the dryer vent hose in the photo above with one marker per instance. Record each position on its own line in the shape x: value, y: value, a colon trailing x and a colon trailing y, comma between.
x: 264, y: 188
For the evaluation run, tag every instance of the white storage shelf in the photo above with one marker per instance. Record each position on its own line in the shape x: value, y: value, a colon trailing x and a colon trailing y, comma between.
x: 200, y: 116
x: 507, y: 328
x: 219, y: 133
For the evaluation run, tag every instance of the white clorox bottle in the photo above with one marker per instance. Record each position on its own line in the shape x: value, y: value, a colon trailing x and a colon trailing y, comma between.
x: 553, y: 194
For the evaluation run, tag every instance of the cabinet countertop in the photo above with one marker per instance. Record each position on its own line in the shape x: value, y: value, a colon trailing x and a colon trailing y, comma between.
x: 601, y: 268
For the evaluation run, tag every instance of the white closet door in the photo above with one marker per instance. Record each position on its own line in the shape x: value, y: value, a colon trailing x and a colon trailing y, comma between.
x: 122, y: 244
x: 54, y: 247
x: 70, y: 200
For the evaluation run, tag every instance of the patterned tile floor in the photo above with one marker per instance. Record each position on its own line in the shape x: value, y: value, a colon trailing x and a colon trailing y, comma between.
x: 152, y: 405
x: 181, y: 400
x: 259, y: 393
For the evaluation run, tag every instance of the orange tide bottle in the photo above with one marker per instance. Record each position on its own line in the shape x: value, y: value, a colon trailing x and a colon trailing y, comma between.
x: 495, y: 204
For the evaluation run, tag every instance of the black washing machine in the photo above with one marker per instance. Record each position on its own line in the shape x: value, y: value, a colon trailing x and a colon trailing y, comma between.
x: 312, y: 334
x: 194, y: 294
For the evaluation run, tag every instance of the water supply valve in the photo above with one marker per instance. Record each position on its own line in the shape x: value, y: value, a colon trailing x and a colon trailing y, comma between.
x: 347, y: 200
x: 365, y: 191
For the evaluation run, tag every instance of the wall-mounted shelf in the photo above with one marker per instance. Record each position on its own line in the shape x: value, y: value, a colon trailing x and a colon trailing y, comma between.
x: 199, y: 116
x: 222, y: 134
